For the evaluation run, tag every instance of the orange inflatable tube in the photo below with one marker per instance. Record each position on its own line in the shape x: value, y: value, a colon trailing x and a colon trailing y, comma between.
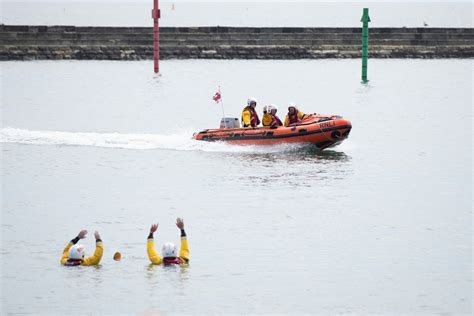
x: 323, y: 131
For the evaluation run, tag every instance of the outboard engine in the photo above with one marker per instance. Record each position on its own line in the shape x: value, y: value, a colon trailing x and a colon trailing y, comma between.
x: 230, y: 122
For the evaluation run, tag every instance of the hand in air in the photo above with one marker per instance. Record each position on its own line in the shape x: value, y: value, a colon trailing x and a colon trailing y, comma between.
x: 154, y: 228
x: 82, y: 234
x: 180, y: 223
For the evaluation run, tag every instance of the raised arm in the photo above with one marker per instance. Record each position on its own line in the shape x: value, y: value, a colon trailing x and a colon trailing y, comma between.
x: 153, y: 255
x: 184, y: 249
x: 99, y: 250
x: 82, y: 234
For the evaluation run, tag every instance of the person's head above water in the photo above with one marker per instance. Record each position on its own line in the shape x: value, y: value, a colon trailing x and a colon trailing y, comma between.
x: 169, y: 250
x: 76, y: 252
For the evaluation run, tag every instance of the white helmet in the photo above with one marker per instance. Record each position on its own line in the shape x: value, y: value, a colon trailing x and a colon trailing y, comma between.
x: 169, y: 250
x: 272, y: 107
x: 251, y: 100
x: 76, y: 252
x: 292, y: 105
x: 265, y: 109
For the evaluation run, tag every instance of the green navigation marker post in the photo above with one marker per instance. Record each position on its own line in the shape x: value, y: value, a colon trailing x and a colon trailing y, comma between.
x: 365, y: 43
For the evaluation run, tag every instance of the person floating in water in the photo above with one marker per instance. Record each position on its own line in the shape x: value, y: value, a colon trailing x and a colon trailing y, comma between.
x: 249, y: 114
x: 294, y: 115
x: 74, y: 255
x: 169, y: 250
x: 275, y: 120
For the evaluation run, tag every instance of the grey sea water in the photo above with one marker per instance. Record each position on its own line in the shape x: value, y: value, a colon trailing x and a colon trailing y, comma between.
x: 381, y: 224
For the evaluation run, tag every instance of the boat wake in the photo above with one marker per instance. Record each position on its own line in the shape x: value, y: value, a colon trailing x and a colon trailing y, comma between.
x: 180, y: 142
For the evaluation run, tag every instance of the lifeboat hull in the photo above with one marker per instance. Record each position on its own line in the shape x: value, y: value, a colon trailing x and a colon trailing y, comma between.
x: 322, y: 131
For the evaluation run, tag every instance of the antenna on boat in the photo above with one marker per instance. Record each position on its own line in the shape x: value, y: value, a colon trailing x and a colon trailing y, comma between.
x: 218, y: 99
x: 222, y: 106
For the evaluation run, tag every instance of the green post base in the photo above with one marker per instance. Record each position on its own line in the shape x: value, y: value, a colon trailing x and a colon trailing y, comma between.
x: 365, y: 43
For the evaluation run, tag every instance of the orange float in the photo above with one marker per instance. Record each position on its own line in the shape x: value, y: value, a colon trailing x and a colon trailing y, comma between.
x: 323, y: 131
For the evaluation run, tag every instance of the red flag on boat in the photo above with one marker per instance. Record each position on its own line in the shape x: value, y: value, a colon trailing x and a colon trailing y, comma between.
x: 217, y: 97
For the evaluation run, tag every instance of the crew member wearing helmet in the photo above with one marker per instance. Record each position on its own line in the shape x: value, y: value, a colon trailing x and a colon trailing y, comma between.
x: 294, y: 115
x: 169, y: 251
x: 275, y: 120
x: 74, y: 255
x: 249, y: 115
x: 266, y: 118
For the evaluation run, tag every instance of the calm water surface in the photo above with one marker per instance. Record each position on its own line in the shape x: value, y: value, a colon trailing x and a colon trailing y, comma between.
x: 381, y: 224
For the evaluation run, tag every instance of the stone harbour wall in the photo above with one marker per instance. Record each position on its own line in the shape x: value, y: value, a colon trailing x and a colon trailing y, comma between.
x: 25, y: 42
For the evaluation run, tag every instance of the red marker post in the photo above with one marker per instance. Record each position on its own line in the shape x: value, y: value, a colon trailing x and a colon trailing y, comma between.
x: 155, y: 14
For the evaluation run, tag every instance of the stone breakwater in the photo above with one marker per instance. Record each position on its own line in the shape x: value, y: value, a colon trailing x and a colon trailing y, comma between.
x: 23, y: 42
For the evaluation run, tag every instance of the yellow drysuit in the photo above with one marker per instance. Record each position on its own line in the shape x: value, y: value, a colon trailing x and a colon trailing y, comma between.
x: 89, y: 261
x: 266, y: 119
x: 155, y: 257
x: 287, y: 119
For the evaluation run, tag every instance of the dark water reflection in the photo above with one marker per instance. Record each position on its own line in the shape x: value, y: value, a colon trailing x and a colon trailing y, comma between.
x: 304, y: 167
x: 302, y: 154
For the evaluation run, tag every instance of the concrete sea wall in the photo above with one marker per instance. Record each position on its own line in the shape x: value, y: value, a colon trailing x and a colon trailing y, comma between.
x: 24, y: 42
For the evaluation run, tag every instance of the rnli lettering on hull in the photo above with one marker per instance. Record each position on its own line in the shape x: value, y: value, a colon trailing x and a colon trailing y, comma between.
x: 327, y: 124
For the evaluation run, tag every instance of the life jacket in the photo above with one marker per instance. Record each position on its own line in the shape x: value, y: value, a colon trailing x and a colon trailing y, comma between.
x: 73, y: 262
x: 292, y: 119
x: 176, y: 260
x: 254, y: 120
x: 275, y: 121
x: 266, y: 119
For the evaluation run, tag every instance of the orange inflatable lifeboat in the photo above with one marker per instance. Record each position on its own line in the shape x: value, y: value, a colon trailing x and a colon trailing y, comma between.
x: 323, y: 131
